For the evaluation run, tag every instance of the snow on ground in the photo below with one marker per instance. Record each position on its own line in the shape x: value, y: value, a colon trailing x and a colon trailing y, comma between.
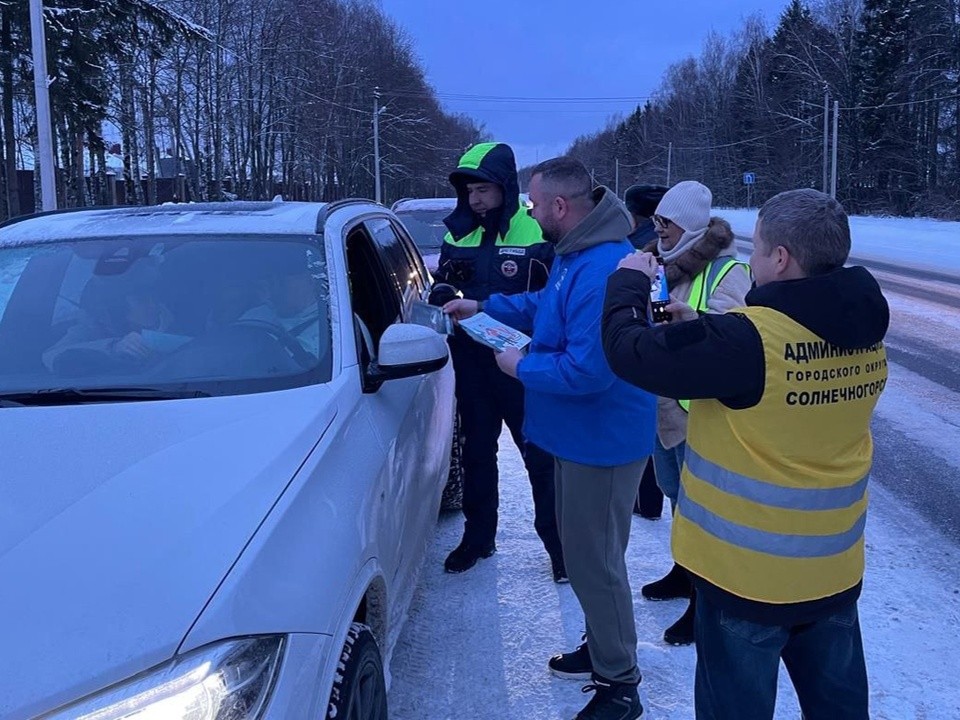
x: 476, y: 645
x: 918, y: 242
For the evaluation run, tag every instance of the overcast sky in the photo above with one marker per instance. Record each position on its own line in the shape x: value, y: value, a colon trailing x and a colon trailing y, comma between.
x: 558, y: 49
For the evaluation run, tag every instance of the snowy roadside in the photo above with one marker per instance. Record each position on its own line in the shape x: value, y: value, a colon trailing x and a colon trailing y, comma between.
x: 475, y: 645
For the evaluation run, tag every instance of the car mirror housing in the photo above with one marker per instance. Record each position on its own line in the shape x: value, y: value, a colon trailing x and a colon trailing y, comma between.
x: 406, y: 350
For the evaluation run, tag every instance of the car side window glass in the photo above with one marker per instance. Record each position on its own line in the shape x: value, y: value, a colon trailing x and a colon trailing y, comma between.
x: 403, y: 273
x: 374, y: 296
x: 422, y: 277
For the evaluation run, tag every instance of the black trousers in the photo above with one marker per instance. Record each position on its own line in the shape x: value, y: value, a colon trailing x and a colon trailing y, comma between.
x: 650, y: 498
x: 486, y: 399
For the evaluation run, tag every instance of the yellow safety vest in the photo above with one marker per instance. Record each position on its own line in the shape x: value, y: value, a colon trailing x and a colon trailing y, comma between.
x: 703, y: 286
x: 773, y: 498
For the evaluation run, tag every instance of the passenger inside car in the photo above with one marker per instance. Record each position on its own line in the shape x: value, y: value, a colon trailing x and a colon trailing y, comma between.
x: 122, y: 319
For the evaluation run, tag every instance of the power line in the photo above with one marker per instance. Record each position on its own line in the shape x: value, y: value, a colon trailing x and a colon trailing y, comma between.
x: 902, y: 104
x: 744, y: 142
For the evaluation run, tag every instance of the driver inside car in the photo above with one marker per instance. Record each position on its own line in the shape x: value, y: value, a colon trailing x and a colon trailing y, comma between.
x: 290, y: 300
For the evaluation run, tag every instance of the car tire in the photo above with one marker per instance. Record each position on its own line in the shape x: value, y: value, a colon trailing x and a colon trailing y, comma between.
x: 452, y: 498
x: 359, y: 690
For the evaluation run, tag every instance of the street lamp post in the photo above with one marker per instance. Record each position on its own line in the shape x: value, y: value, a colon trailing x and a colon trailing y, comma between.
x: 41, y: 85
x: 376, y: 143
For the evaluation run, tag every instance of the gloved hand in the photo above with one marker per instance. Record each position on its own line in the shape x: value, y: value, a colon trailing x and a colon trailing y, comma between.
x: 458, y: 271
x: 442, y: 293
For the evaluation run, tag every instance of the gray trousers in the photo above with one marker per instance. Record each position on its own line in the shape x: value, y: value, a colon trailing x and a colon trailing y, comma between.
x: 594, y: 514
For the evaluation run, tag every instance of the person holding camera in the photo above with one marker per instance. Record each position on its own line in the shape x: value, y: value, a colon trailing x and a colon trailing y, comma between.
x: 492, y: 246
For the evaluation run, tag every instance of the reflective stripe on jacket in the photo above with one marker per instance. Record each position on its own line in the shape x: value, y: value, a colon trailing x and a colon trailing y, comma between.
x: 773, y: 497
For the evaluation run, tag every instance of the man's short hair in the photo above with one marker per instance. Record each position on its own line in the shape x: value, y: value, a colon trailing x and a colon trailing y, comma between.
x: 565, y: 176
x: 811, y: 225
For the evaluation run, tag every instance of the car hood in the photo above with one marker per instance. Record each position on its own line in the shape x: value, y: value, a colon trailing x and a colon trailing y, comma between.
x: 118, y: 522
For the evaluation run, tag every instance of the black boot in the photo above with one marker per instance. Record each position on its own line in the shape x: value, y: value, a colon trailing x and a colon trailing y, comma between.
x: 559, y: 571
x: 611, y: 701
x: 466, y: 554
x: 681, y: 632
x: 675, y: 584
x: 575, y: 665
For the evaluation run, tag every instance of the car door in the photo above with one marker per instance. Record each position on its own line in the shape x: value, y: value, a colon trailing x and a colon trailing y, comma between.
x: 383, y: 284
x: 422, y: 440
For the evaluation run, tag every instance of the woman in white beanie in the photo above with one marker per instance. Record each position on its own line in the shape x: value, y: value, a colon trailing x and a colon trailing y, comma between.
x: 700, y: 260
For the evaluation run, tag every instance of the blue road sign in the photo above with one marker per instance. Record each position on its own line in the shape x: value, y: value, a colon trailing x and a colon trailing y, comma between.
x: 749, y: 178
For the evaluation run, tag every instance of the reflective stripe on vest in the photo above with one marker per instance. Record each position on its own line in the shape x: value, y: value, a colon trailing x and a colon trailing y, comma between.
x: 703, y: 287
x: 773, y: 498
x: 524, y: 231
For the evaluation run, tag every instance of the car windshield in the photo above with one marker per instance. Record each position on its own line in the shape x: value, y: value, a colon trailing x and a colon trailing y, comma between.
x: 426, y: 227
x: 177, y: 316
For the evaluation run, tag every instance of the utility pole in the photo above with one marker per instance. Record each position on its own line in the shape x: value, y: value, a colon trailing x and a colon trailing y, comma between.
x: 616, y: 182
x: 836, y: 127
x: 826, y: 136
x: 43, y: 153
x: 669, y: 161
x: 376, y: 143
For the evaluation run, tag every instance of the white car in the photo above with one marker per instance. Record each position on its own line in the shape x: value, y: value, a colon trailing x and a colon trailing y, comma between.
x: 223, y: 454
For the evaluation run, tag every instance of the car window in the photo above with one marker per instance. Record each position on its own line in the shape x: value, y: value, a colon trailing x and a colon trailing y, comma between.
x: 425, y: 227
x: 403, y: 270
x: 375, y: 296
x: 219, y: 315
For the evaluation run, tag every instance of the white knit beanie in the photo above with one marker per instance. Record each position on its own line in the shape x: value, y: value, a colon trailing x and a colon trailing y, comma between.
x: 688, y: 205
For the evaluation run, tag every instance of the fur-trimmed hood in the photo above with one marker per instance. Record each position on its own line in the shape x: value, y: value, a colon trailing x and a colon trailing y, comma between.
x: 717, y: 241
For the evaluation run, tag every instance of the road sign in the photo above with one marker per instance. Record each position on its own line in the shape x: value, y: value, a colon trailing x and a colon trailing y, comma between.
x: 749, y: 178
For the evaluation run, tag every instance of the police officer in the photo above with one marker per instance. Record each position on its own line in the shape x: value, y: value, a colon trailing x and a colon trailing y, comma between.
x: 493, y: 246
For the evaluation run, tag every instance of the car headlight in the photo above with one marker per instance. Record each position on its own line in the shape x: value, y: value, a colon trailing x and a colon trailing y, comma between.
x: 228, y: 681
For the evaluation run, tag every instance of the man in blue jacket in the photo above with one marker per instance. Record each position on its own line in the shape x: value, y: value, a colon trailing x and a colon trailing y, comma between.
x: 599, y: 428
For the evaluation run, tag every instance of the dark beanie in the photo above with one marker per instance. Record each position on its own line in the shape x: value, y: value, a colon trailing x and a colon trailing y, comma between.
x: 642, y: 200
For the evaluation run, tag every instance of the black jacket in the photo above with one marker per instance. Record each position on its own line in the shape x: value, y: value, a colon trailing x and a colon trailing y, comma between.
x: 721, y: 357
x: 643, y: 234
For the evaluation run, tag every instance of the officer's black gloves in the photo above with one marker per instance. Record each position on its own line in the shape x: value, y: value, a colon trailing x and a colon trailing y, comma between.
x: 442, y: 293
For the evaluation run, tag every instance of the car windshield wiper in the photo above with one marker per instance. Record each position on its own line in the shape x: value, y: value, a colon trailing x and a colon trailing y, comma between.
x: 72, y: 396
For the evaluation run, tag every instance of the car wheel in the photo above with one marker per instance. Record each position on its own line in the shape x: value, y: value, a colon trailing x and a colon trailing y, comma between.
x: 452, y: 498
x: 359, y: 692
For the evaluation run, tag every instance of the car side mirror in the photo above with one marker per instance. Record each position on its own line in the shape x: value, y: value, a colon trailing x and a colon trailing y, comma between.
x: 406, y: 350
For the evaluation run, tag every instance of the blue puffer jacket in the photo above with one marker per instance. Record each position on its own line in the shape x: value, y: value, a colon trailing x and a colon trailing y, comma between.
x: 576, y: 408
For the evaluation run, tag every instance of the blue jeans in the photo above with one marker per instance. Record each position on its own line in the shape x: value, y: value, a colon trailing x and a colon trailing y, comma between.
x: 738, y: 662
x: 667, y: 465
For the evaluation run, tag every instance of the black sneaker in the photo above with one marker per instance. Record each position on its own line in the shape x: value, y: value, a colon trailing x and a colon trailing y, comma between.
x: 611, y: 701
x: 465, y: 556
x: 559, y: 571
x: 681, y: 632
x: 675, y: 584
x: 574, y: 665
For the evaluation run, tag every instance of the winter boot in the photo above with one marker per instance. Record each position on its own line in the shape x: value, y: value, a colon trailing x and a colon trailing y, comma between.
x: 681, y: 632
x: 466, y: 554
x: 559, y: 571
x: 675, y: 584
x: 574, y: 665
x: 611, y: 701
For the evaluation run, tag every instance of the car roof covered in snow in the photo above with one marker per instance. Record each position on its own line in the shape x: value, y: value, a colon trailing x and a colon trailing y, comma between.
x: 413, y: 204
x: 232, y: 218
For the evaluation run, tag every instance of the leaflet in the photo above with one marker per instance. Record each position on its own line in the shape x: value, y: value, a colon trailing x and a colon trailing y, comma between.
x: 492, y: 333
